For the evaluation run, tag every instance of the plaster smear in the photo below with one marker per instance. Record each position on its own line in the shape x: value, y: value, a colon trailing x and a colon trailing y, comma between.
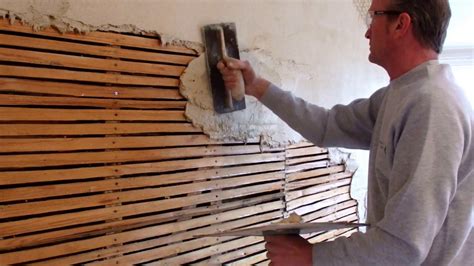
x: 256, y: 122
x: 54, y: 16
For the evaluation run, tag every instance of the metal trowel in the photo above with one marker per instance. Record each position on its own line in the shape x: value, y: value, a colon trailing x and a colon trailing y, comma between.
x: 220, y: 41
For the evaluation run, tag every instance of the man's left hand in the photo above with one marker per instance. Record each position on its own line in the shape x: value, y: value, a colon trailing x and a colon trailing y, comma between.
x: 288, y: 250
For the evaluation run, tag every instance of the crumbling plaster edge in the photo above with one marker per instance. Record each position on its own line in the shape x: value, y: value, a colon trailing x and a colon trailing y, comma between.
x: 66, y: 25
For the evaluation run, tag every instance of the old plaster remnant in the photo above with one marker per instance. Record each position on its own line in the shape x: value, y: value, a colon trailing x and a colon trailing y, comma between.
x: 167, y: 39
x: 256, y: 121
x: 39, y: 20
x: 341, y: 156
x: 54, y: 17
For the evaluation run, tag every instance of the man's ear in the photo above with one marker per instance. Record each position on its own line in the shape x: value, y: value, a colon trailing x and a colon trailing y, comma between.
x: 403, y: 24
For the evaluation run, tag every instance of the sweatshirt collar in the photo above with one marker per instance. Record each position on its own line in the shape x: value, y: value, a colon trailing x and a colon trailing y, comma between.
x: 414, y: 74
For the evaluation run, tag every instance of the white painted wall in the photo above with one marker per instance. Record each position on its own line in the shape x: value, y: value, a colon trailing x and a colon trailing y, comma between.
x: 325, y: 37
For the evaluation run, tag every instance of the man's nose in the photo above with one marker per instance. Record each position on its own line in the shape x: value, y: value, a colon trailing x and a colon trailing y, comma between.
x: 367, y: 33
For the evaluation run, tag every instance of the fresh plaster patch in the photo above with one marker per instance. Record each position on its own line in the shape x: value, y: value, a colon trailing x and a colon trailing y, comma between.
x: 254, y: 122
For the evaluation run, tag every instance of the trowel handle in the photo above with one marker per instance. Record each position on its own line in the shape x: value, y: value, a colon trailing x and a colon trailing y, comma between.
x: 222, y: 38
x: 228, y: 94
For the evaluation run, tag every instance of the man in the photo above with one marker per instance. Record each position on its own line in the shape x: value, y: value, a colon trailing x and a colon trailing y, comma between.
x: 419, y: 132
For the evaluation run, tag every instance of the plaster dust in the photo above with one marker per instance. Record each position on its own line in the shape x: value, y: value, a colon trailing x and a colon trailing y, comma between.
x: 254, y: 122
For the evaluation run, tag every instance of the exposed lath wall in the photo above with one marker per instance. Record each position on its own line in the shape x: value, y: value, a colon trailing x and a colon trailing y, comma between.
x: 99, y: 165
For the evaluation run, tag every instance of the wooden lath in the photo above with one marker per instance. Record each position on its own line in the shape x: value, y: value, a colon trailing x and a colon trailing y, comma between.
x: 88, y: 129
x: 106, y: 38
x: 81, y: 62
x: 85, y: 76
x: 318, y: 191
x: 36, y: 87
x: 98, y: 164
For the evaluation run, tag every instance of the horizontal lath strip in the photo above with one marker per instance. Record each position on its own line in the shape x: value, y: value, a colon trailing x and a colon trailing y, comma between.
x: 337, y: 215
x: 335, y: 208
x: 80, y: 90
x: 302, y: 144
x: 141, y: 256
x: 81, y: 62
x: 96, y: 50
x: 203, y: 252
x: 40, y: 207
x: 47, y: 114
x: 305, y: 151
x: 333, y: 233
x: 57, y: 159
x: 307, y: 159
x: 325, y: 200
x: 233, y: 250
x: 45, y: 191
x: 317, y: 180
x: 352, y: 217
x: 221, y: 258
x: 128, y: 224
x: 313, y: 173
x: 251, y: 260
x: 94, y: 129
x: 70, y: 75
x: 316, y: 206
x: 109, y: 142
x: 167, y: 250
x: 135, y: 235
x: 329, y: 235
x: 77, y: 218
x: 345, y: 234
x: 22, y: 177
x: 293, y: 204
x: 9, y: 99
x: 98, y: 37
x: 307, y: 166
x: 316, y: 189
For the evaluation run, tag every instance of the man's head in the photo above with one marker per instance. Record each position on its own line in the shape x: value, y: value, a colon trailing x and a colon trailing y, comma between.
x: 430, y: 19
x: 405, y: 33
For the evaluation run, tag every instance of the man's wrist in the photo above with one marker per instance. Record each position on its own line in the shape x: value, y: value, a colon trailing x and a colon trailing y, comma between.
x: 261, y: 86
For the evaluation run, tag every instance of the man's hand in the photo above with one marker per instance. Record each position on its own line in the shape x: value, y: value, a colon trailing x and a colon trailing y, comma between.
x: 288, y: 250
x: 254, y: 85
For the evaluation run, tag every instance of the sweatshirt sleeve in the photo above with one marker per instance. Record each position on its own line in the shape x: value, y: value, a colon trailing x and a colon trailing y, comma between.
x: 348, y: 126
x: 430, y: 139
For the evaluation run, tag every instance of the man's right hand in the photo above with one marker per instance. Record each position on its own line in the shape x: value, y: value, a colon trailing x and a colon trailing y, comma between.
x: 254, y: 85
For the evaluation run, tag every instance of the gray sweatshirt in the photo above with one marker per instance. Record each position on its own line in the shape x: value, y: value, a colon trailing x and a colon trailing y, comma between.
x: 419, y: 131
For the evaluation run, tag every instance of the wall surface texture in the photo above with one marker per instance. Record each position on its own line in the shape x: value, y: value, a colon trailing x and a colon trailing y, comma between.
x: 314, y: 48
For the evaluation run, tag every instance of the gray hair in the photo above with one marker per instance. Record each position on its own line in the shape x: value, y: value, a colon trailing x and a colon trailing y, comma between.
x: 430, y: 20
